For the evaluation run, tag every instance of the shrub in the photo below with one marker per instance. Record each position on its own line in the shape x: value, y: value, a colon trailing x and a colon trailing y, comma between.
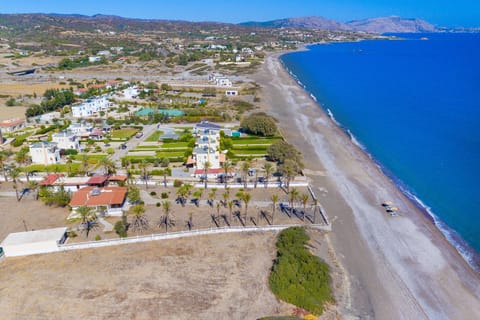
x: 164, y: 195
x: 177, y: 183
x: 259, y: 124
x: 297, y: 276
x: 153, y: 193
x: 158, y: 204
x: 98, y: 237
x: 121, y: 228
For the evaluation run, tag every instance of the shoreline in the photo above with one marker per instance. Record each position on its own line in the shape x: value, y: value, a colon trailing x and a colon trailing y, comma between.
x: 469, y: 254
x: 381, y: 275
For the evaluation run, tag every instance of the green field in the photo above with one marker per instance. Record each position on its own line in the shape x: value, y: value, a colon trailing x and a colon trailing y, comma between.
x: 255, y: 141
x: 91, y: 158
x: 125, y: 133
x: 174, y: 145
x: 74, y: 167
x: 248, y: 153
x: 146, y: 148
x: 174, y: 154
x: 154, y: 136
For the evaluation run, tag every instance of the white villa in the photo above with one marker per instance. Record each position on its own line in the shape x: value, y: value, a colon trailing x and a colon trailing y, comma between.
x: 81, y: 128
x: 130, y: 93
x: 12, y: 125
x: 44, y: 153
x: 91, y: 107
x: 207, y: 146
x: 219, y: 80
x: 66, y: 140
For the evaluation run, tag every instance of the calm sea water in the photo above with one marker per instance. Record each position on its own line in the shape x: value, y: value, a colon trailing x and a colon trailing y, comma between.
x: 415, y: 107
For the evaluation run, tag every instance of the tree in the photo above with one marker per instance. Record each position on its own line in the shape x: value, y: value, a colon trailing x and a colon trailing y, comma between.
x: 206, y: 167
x: 14, y: 174
x: 289, y: 169
x: 166, y: 219
x: 230, y: 205
x: 88, y: 218
x: 133, y: 195
x: 23, y: 158
x: 259, y: 124
x: 268, y: 168
x: 121, y: 227
x: 226, y: 166
x: 292, y: 197
x: 84, y: 163
x: 140, y: 221
x: 280, y: 151
x: 226, y: 196
x: 274, y: 205
x: 211, y: 195
x: 245, y: 197
x: 304, y: 199
x: 3, y: 159
x: 245, y: 169
x: 108, y: 165
x: 143, y: 165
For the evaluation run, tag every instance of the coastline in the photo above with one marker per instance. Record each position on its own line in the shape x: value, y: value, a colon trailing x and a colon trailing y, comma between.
x: 390, y: 262
x: 470, y: 255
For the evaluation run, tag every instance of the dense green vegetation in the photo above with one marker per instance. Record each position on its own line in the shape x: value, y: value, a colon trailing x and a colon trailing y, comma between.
x: 69, y: 64
x: 54, y: 99
x: 125, y: 133
x: 297, y: 276
x: 154, y: 136
x: 259, y: 124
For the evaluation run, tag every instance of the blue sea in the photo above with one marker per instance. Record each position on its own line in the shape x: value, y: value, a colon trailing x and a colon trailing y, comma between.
x: 414, y: 106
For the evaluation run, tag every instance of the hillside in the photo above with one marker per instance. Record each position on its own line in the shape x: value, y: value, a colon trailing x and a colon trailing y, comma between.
x: 374, y: 25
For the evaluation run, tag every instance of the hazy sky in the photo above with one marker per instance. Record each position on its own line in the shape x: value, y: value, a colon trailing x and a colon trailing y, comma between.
x: 438, y: 12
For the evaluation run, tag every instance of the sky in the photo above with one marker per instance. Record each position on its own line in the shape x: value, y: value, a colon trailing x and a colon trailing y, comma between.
x: 447, y: 13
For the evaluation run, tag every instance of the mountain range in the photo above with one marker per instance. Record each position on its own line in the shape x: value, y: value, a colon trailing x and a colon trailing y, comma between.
x: 373, y: 25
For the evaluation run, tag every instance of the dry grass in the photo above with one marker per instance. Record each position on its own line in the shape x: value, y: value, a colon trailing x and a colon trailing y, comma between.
x: 23, y: 88
x: 211, y: 277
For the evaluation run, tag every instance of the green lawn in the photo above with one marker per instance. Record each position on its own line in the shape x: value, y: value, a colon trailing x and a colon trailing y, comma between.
x: 92, y: 158
x: 154, y: 136
x: 174, y: 145
x: 125, y: 133
x: 255, y: 141
x: 148, y: 147
x: 249, y: 152
x: 174, y: 154
x: 74, y: 167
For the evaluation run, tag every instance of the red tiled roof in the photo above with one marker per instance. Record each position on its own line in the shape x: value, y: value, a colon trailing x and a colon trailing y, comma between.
x: 97, y: 180
x: 107, y: 196
x: 50, y: 179
x: 97, y: 85
x: 209, y: 171
x: 11, y: 122
x: 118, y: 177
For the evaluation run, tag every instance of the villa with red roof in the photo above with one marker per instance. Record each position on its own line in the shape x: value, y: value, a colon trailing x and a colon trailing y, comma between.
x: 113, y: 199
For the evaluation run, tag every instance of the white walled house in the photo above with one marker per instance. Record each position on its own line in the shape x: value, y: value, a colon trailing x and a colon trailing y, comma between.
x: 90, y: 107
x: 45, y: 153
x: 81, y: 128
x: 130, y: 93
x: 12, y: 125
x: 66, y: 140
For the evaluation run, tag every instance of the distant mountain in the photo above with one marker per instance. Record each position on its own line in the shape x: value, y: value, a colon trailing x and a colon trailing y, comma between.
x: 303, y: 22
x: 392, y: 24
x: 374, y: 25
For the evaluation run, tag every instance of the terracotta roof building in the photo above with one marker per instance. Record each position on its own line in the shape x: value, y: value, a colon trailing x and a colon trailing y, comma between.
x: 109, y: 197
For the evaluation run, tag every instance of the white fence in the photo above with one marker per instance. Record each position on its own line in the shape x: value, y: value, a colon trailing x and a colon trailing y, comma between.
x: 179, y: 234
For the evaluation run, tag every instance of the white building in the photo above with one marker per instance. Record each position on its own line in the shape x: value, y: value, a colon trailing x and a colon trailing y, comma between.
x: 44, y: 152
x: 94, y: 59
x: 66, y: 140
x: 130, y: 93
x: 91, y: 107
x: 12, y: 125
x: 207, y: 145
x: 219, y: 80
x: 81, y: 128
x: 33, y: 242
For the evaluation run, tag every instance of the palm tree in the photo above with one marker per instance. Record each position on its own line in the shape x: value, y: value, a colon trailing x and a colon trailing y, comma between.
x: 140, y: 221
x: 88, y: 217
x: 14, y: 174
x: 268, y: 171
x: 304, y: 199
x: 143, y: 165
x: 22, y: 158
x: 84, y: 162
x: 245, y: 170
x: 206, y: 167
x: 245, y: 197
x: 3, y: 158
x: 166, y: 219
x: 226, y: 196
x: 211, y: 195
x: 230, y: 207
x: 292, y: 197
x: 69, y: 166
x: 33, y: 185
x: 227, y: 166
x: 108, y: 165
x: 274, y: 205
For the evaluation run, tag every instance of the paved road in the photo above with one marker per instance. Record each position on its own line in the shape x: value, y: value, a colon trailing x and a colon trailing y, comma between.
x: 148, y: 130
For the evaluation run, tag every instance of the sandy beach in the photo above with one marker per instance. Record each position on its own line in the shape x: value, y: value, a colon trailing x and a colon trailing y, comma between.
x: 395, y: 267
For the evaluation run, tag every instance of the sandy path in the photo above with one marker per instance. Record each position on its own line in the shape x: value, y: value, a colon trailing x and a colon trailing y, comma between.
x: 399, y: 268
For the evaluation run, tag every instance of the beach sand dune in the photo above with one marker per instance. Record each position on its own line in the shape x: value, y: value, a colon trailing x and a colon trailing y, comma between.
x: 397, y: 268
